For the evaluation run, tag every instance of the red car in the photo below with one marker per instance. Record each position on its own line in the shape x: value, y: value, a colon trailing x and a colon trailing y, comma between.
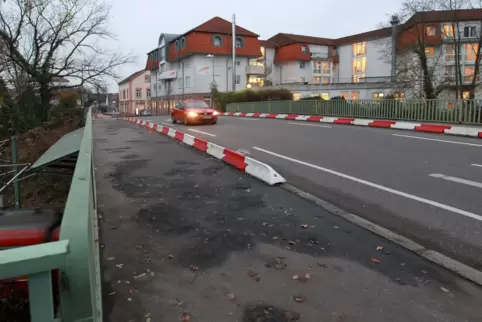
x: 193, y: 111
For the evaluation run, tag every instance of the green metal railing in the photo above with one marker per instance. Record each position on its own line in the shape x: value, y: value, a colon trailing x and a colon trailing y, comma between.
x: 444, y: 111
x: 76, y: 255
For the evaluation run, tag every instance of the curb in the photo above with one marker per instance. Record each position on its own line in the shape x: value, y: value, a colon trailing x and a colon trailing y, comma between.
x: 237, y: 160
x: 446, y: 262
x: 388, y: 124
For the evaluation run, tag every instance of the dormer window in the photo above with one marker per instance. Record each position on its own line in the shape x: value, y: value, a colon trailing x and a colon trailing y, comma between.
x: 183, y: 42
x: 239, y: 42
x: 304, y: 49
x: 176, y: 44
x: 217, y: 41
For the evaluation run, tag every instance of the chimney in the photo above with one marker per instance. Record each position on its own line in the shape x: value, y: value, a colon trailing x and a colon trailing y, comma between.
x: 394, y: 22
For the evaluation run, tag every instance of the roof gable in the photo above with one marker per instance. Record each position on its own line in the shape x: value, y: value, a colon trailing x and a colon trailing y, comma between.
x: 131, y: 77
x: 221, y: 26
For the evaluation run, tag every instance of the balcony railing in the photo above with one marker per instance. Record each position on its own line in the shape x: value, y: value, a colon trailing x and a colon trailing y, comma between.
x: 255, y: 70
x: 319, y: 55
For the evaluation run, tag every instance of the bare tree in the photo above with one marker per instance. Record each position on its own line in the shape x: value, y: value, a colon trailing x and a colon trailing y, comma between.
x: 49, y: 39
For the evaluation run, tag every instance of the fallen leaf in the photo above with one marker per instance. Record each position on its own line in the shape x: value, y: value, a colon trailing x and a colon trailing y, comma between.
x: 120, y: 265
x: 299, y: 298
x: 129, y: 299
x: 110, y: 258
x: 376, y: 261
x: 139, y: 246
x: 194, y: 268
x: 292, y: 316
x: 379, y: 247
x: 295, y: 277
x: 304, y: 226
x: 252, y: 273
x: 444, y: 289
x: 140, y: 275
x: 170, y: 256
x: 322, y: 265
x: 230, y: 296
x: 112, y: 293
x: 307, y: 276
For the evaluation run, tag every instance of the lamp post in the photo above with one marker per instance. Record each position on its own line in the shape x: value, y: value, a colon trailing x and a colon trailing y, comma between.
x: 213, y: 82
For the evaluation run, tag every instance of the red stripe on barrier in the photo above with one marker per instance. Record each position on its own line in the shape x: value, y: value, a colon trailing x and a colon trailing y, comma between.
x: 235, y: 159
x: 147, y: 124
x: 344, y: 120
x: 243, y: 114
x: 257, y: 114
x: 385, y: 124
x: 314, y: 118
x: 480, y: 134
x: 179, y: 136
x: 432, y: 128
x: 200, y: 144
x: 231, y: 113
x: 165, y: 130
x: 155, y: 126
x: 291, y: 116
x: 272, y: 116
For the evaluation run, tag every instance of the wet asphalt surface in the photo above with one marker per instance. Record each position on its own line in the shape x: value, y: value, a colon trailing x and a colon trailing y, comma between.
x: 187, y: 238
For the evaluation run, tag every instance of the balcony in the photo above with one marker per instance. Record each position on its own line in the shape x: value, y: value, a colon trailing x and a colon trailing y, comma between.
x: 319, y: 55
x: 255, y: 70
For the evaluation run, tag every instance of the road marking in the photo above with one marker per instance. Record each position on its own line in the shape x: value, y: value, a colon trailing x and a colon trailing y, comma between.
x: 192, y: 130
x: 294, y: 123
x: 422, y: 138
x: 476, y: 165
x: 377, y: 186
x: 247, y: 119
x: 455, y: 179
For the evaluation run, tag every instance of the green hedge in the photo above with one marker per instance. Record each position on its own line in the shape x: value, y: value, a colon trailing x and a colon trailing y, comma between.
x: 248, y: 95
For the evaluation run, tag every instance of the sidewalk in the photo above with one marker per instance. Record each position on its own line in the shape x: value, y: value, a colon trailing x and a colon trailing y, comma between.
x: 185, y: 236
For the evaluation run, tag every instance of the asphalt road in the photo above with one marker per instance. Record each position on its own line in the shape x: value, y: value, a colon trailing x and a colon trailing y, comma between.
x: 188, y: 238
x: 426, y: 187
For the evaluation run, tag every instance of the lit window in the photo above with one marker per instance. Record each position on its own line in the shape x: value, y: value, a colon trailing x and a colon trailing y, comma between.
x: 466, y: 95
x: 430, y: 30
x: 262, y: 51
x: 304, y: 49
x: 345, y: 95
x: 302, y: 79
x: 357, y: 78
x: 316, y: 80
x: 325, y: 80
x: 429, y: 51
x: 238, y: 80
x: 471, y: 51
x: 239, y: 42
x: 377, y: 95
x: 325, y: 96
x: 325, y: 67
x: 359, y: 65
x: 317, y: 67
x: 355, y: 95
x: 296, y: 96
x: 302, y: 64
x: 448, y: 31
x: 469, y: 74
x: 359, y: 49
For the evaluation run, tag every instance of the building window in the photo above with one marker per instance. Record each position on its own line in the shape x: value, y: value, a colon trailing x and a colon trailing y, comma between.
x: 296, y: 96
x: 429, y: 51
x: 466, y: 95
x: 325, y: 96
x: 304, y: 49
x: 302, y: 64
x: 138, y: 92
x: 217, y: 41
x: 378, y: 95
x: 325, y: 67
x: 470, y: 32
x: 359, y: 49
x: 188, y: 81
x: 180, y: 82
x: 238, y: 80
x: 316, y: 67
x: 316, y: 80
x: 449, y: 71
x: 471, y: 52
x: 325, y: 80
x: 469, y: 74
x: 448, y: 31
x: 430, y: 30
x: 302, y: 80
x: 345, y: 95
x: 124, y: 94
x: 449, y: 53
x: 238, y: 63
x: 355, y: 96
x: 176, y: 45
x: 148, y: 93
x: 183, y: 42
x: 262, y: 52
x: 256, y: 80
x: 147, y: 79
x: 359, y: 65
x: 239, y: 42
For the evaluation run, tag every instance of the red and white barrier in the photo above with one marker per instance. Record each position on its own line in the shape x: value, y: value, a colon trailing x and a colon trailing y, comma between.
x: 458, y: 130
x: 248, y: 165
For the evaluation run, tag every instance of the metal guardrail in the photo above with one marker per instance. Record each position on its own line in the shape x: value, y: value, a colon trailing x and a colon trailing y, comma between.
x: 443, y: 111
x: 76, y: 255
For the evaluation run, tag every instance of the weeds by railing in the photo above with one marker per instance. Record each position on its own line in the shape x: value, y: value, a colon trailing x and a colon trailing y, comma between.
x: 443, y: 111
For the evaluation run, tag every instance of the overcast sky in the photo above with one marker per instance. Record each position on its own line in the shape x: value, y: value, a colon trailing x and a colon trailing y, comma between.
x: 138, y: 23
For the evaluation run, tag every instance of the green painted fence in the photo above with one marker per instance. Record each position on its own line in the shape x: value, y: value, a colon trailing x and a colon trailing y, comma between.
x: 444, y: 111
x: 76, y: 255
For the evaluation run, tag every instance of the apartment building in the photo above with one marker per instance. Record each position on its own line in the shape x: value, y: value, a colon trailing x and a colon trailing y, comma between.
x: 367, y: 65
x: 187, y: 66
x: 135, y: 93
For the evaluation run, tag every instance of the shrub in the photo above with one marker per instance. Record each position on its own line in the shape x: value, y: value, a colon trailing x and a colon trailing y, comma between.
x: 249, y: 95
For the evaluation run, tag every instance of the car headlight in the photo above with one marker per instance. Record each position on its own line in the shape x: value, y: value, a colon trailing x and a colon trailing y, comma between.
x: 215, y: 113
x: 191, y: 114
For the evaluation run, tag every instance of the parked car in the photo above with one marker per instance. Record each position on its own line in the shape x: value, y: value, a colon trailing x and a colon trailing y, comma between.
x: 146, y: 113
x: 193, y: 111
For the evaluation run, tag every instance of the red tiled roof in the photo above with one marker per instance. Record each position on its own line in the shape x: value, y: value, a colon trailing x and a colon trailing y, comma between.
x: 283, y: 39
x: 221, y: 26
x: 267, y: 44
x: 369, y: 35
x: 131, y: 77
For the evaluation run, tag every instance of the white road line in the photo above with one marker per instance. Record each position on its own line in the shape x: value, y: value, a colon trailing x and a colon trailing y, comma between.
x: 476, y: 165
x: 445, y: 141
x: 455, y: 179
x: 314, y: 125
x: 192, y: 130
x: 377, y: 186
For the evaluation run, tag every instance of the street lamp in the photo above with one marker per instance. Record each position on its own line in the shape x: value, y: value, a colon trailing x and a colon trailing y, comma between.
x: 214, y: 80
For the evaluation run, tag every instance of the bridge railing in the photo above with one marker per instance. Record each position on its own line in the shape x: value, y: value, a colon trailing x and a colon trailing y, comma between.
x: 443, y: 111
x: 76, y: 255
